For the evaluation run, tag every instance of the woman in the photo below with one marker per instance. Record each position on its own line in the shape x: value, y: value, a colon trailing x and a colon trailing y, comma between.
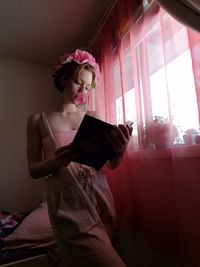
x: 80, y: 203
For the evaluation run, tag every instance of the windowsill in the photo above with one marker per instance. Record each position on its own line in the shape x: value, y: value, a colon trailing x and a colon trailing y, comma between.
x: 184, y: 151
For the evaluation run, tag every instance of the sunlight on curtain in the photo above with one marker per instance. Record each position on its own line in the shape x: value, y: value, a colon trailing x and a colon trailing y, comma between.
x: 151, y: 75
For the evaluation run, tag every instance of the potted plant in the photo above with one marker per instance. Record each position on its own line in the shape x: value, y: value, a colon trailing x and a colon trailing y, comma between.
x: 159, y: 133
x: 190, y: 136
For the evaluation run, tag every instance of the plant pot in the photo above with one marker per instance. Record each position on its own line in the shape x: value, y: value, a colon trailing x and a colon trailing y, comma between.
x: 190, y: 139
x: 187, y: 139
x: 162, y: 144
x: 197, y: 139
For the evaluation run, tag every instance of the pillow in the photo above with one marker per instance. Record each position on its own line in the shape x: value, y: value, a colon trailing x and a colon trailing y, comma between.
x: 34, y: 231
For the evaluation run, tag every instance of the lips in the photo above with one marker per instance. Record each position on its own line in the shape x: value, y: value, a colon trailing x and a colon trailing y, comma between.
x: 81, y: 99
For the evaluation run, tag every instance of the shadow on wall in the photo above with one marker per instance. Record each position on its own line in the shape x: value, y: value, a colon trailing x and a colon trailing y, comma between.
x: 25, y: 88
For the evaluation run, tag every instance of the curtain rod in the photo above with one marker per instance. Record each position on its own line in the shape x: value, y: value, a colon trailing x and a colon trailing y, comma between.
x: 102, y: 23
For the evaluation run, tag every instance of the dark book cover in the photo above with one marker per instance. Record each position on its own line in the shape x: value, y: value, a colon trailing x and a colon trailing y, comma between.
x: 95, y: 148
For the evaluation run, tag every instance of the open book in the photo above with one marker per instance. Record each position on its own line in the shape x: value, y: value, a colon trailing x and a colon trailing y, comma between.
x: 95, y: 148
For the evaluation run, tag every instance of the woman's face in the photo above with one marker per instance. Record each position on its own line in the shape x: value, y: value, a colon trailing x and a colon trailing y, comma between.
x: 81, y: 85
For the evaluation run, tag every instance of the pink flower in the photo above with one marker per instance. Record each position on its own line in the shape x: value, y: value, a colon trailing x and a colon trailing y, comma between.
x: 80, y: 57
x: 82, y: 99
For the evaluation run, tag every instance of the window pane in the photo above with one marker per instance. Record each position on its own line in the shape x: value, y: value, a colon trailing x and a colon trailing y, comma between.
x: 159, y: 98
x: 182, y: 92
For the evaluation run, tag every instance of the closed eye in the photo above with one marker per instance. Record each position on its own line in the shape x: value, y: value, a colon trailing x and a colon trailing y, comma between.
x: 88, y: 87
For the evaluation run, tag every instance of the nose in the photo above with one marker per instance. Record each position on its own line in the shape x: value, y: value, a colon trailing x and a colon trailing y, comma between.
x: 82, y: 88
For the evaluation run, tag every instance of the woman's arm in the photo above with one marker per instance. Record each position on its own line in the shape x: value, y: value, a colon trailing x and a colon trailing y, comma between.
x: 37, y: 166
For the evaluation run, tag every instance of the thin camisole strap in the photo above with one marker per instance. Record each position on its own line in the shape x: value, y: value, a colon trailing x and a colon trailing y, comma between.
x: 46, y: 123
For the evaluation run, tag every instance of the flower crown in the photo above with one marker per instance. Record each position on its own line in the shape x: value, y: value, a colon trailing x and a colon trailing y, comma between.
x: 80, y: 57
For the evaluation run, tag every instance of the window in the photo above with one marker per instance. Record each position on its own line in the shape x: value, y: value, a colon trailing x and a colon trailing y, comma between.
x: 182, y: 95
x: 166, y: 78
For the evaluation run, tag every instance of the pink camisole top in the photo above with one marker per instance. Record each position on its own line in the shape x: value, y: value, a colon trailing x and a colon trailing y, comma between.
x: 54, y: 140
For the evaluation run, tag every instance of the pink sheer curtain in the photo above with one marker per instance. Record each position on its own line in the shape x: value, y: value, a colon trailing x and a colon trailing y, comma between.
x: 151, y: 74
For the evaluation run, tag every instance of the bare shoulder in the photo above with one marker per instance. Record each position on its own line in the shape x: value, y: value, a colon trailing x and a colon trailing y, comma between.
x: 94, y: 114
x: 34, y: 122
x: 34, y: 118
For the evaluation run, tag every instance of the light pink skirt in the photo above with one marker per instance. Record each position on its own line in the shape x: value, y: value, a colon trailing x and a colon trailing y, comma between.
x: 82, y: 214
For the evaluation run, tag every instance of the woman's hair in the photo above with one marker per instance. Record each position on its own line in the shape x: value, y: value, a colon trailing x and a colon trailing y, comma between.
x: 68, y: 71
x: 69, y: 66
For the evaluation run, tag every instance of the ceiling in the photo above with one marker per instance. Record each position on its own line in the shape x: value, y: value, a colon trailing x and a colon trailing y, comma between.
x: 42, y: 30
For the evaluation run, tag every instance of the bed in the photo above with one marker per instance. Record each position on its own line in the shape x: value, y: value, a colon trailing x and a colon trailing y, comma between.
x: 26, y: 239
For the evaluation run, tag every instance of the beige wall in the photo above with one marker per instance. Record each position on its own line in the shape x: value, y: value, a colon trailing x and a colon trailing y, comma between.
x: 24, y: 88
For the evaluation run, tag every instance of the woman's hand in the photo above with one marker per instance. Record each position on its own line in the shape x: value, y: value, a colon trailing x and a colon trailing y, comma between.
x: 119, y: 138
x: 65, y: 154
